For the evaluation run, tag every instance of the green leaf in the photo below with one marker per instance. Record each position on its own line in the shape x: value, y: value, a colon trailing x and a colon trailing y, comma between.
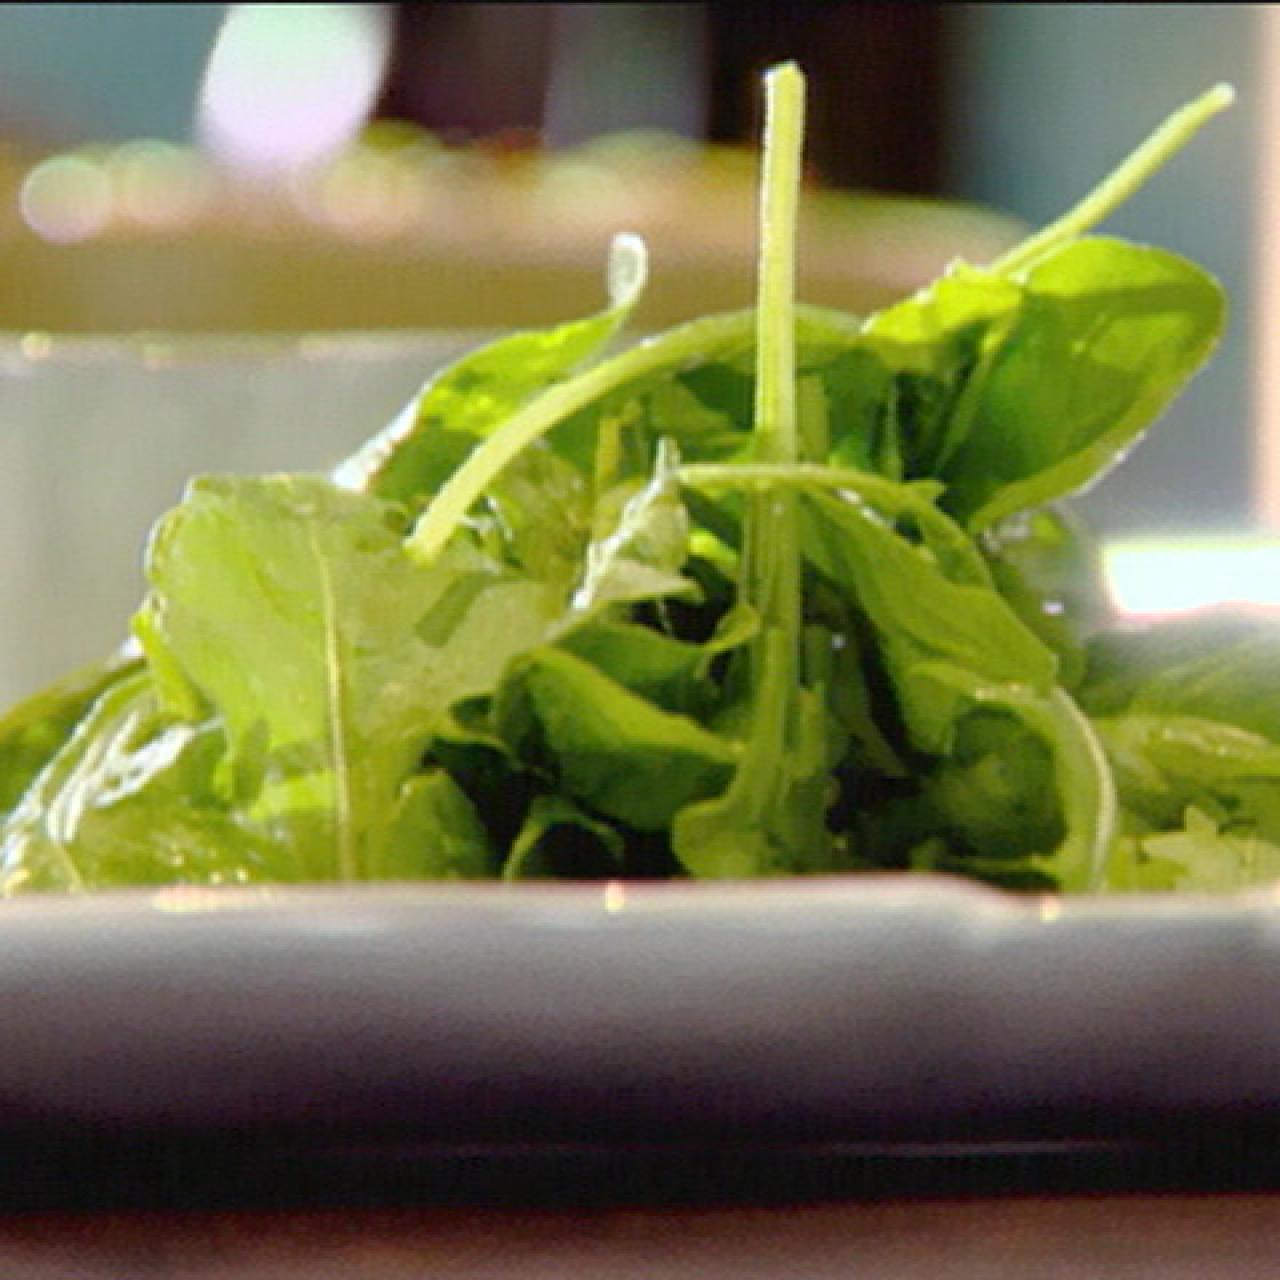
x: 550, y: 551
x: 1128, y: 177
x: 706, y: 339
x: 1085, y: 788
x: 1046, y: 565
x: 1107, y: 336
x: 559, y: 841
x: 919, y: 612
x: 33, y: 731
x: 1166, y: 766
x: 930, y: 356
x: 1215, y: 666
x: 1210, y: 860
x: 705, y: 410
x: 996, y: 789
x: 606, y: 747
x: 1133, y: 868
x: 771, y: 818
x: 950, y: 646
x: 757, y: 828
x: 292, y: 609
x: 657, y: 667
x: 131, y: 798
x: 913, y: 503
x: 469, y: 748
x: 641, y: 555
x: 434, y: 833
x: 473, y: 397
x: 607, y: 389
x: 515, y: 635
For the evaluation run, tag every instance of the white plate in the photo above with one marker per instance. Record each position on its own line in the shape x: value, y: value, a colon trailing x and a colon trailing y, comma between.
x: 891, y: 1008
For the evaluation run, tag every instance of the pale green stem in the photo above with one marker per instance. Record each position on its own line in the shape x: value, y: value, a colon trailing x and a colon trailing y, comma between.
x: 914, y: 499
x: 344, y: 817
x: 468, y: 483
x: 771, y: 573
x: 1088, y: 792
x: 775, y: 312
x: 1133, y: 172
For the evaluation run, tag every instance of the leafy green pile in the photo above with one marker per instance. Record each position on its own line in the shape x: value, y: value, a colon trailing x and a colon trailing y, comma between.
x: 780, y: 591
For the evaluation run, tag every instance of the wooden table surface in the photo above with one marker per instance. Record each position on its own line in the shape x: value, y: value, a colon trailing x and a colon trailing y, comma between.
x: 1206, y: 1208
x: 1172, y: 1236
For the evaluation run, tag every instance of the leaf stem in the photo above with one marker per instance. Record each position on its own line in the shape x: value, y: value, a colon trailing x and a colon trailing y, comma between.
x: 344, y: 817
x: 468, y: 483
x: 695, y: 342
x: 1088, y: 794
x: 771, y: 569
x: 775, y: 426
x: 914, y: 498
x: 783, y: 714
x: 1132, y: 173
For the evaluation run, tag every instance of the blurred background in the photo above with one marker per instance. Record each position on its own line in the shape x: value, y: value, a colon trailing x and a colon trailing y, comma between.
x: 301, y: 167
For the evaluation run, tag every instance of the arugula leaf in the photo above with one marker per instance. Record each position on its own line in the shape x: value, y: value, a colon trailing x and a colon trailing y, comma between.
x: 1107, y: 335
x: 995, y: 792
x: 773, y: 592
x: 930, y: 354
x: 605, y: 747
x: 559, y: 840
x: 920, y: 611
x: 291, y: 610
x: 760, y: 827
x: 1047, y: 566
x: 656, y: 357
x: 1133, y: 868
x: 517, y: 531
x: 950, y: 646
x: 132, y: 798
x: 34, y: 730
x: 1219, y: 666
x: 1186, y: 716
x: 1018, y: 390
x: 764, y: 822
x: 1133, y: 172
x: 475, y: 396
x: 640, y: 558
x: 607, y: 388
x: 435, y: 833
x: 1206, y: 859
x: 668, y: 672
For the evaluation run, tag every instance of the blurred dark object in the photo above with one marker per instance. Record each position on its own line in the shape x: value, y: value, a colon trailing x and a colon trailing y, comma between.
x: 876, y: 86
x: 567, y: 72
x: 469, y: 70
x: 515, y: 142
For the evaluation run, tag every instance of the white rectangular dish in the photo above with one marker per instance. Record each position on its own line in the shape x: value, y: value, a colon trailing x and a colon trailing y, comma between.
x: 886, y: 1009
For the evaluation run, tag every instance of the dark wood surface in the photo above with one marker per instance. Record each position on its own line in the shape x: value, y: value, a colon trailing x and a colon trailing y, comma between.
x: 1171, y: 1236
x: 1207, y: 1209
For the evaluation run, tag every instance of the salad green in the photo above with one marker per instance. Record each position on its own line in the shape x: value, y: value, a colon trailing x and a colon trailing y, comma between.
x: 778, y: 591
